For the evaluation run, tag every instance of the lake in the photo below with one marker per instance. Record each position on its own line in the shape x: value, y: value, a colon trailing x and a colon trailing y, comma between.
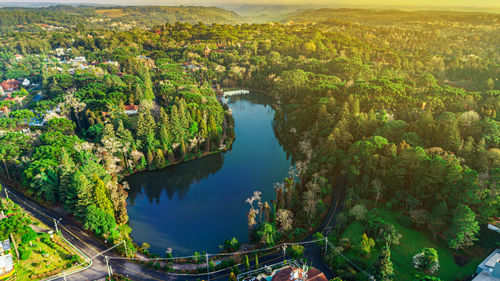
x: 196, y: 205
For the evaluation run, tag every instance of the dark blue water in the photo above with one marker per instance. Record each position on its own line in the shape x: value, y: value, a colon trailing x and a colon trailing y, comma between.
x: 195, y: 206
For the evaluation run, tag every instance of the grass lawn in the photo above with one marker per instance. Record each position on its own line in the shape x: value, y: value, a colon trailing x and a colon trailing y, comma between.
x: 44, y: 258
x: 410, y: 244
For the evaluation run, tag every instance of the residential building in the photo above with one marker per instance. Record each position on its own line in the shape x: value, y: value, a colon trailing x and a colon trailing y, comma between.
x: 131, y: 109
x: 6, y: 260
x: 489, y: 269
x: 25, y: 82
x: 10, y: 85
x: 284, y: 271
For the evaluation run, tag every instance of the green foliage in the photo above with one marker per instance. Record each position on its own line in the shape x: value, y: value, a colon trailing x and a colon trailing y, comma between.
x: 382, y: 269
x: 266, y: 234
x: 464, y: 228
x: 427, y: 260
x: 232, y: 244
x: 295, y: 251
x: 98, y: 221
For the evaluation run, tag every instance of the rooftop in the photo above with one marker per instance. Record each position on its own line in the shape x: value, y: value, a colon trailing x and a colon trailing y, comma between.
x: 489, y: 269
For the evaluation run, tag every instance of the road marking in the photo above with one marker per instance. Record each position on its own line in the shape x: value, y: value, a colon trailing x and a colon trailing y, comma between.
x: 333, y: 214
x: 92, y: 248
x: 143, y: 275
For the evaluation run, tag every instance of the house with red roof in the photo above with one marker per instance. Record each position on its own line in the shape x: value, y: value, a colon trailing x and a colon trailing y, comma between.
x: 10, y: 85
x: 131, y: 109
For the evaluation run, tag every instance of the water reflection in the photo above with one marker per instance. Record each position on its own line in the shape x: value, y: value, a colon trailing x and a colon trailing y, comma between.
x: 175, y: 179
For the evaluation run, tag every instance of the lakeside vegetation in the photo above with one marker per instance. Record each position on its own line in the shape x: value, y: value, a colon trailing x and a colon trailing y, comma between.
x: 402, y: 114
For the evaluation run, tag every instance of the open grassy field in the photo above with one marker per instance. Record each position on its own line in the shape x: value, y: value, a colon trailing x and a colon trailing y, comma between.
x: 410, y: 244
x: 46, y: 259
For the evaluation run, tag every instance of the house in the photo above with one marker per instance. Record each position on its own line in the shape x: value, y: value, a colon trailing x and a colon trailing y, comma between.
x: 283, y: 271
x: 25, y: 82
x: 130, y: 109
x: 494, y: 225
x: 6, y: 260
x: 18, y: 57
x: 489, y: 269
x: 10, y: 85
x: 292, y: 273
x: 79, y: 60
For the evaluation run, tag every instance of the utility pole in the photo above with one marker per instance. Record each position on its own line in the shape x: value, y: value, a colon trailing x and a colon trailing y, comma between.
x: 284, y: 251
x: 126, y: 249
x: 6, y: 194
x: 55, y: 223
x: 107, y: 265
x: 208, y: 267
x: 326, y: 245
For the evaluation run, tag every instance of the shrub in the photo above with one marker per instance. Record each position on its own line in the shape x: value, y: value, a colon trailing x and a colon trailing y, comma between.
x: 25, y: 254
x: 296, y: 251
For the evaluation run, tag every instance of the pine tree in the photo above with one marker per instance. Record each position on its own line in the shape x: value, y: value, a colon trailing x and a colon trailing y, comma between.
x: 182, y: 149
x: 247, y: 263
x: 80, y: 195
x: 164, y: 131
x: 150, y: 159
x: 146, y: 126
x: 176, y: 125
x: 160, y: 159
x: 383, y: 269
x: 148, y: 87
x: 66, y: 170
x: 101, y: 197
x: 464, y: 228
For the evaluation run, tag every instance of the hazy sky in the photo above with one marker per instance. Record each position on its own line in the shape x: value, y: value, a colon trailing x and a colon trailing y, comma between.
x: 347, y: 3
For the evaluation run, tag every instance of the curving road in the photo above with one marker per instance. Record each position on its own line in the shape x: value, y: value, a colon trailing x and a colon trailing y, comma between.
x: 98, y: 270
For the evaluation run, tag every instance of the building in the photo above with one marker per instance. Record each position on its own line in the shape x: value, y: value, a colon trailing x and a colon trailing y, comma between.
x: 489, y: 269
x: 18, y: 57
x: 494, y: 225
x: 130, y: 109
x: 284, y: 271
x: 10, y: 85
x: 25, y: 82
x: 292, y: 273
x: 6, y: 260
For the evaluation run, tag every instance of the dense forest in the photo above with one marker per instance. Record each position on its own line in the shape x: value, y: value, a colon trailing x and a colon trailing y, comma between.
x: 397, y: 108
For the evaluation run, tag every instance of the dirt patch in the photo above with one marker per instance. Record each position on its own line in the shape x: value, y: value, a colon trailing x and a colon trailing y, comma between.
x: 460, y: 260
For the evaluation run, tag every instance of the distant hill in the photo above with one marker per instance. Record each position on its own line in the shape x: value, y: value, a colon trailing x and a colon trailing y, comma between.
x: 68, y: 16
x: 389, y: 17
x: 171, y: 14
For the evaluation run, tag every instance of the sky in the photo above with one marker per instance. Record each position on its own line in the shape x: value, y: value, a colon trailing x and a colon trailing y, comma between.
x: 336, y: 3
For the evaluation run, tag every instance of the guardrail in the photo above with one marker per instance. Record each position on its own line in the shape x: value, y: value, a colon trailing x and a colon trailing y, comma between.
x: 236, y: 92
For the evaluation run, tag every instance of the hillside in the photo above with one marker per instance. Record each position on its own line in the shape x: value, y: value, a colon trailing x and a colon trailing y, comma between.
x: 391, y: 17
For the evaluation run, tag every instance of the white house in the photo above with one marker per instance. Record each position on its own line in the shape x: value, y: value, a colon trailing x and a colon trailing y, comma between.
x: 26, y: 82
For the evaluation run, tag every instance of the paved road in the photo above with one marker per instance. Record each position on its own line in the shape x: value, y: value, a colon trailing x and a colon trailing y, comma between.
x: 98, y: 270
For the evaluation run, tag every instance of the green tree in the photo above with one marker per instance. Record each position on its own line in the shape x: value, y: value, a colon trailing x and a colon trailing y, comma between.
x: 464, y: 228
x: 427, y: 260
x: 99, y: 221
x: 383, y: 269
x: 247, y: 263
x: 295, y: 251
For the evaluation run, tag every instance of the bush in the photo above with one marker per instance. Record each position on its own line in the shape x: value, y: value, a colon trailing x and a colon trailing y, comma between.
x: 296, y: 251
x: 25, y: 254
